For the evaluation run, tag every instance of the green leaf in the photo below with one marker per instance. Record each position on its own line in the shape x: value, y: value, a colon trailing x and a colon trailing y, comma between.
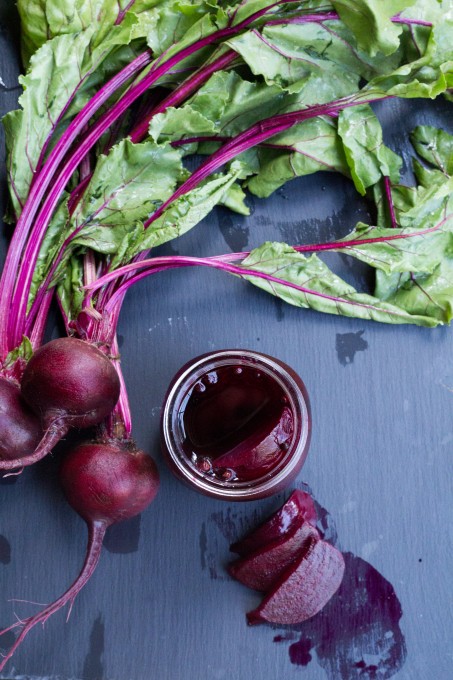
x: 319, y: 287
x: 277, y: 53
x: 368, y: 158
x: 370, y: 21
x: 42, y: 20
x: 420, y: 293
x: 34, y: 26
x: 55, y: 89
x: 306, y: 148
x: 177, y: 24
x: 169, y: 125
x: 429, y: 75
x: 189, y: 209
x: 234, y: 199
x: 70, y: 288
x: 23, y: 352
x: 401, y: 250
x: 225, y: 105
x: 128, y: 184
x: 435, y: 146
x: 52, y: 79
x: 56, y: 233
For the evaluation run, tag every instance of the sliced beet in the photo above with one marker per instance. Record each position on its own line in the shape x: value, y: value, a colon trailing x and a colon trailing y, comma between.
x: 262, y: 568
x: 299, y: 505
x: 262, y: 450
x: 304, y: 588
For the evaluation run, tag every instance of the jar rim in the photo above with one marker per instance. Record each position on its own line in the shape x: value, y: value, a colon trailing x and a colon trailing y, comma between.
x: 284, y: 471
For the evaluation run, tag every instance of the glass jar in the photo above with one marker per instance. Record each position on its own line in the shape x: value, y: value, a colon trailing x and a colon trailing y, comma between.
x: 236, y: 425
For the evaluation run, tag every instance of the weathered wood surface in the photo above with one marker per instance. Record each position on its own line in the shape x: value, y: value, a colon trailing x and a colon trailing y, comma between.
x: 161, y: 605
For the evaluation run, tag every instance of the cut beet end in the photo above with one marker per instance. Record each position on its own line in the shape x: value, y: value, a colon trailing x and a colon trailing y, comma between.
x: 304, y: 588
x: 262, y: 450
x: 298, y: 506
x: 261, y: 569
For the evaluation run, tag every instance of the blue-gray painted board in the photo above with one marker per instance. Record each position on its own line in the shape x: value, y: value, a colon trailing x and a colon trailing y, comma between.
x: 161, y: 605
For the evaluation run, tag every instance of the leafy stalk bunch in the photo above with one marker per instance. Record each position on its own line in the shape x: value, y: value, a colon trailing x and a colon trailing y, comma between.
x: 97, y: 154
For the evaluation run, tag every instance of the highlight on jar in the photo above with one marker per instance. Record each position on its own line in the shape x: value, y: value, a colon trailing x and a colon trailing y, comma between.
x: 236, y: 424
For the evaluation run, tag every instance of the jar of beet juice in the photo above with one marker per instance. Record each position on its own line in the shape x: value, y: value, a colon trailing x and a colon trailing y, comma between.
x: 236, y: 425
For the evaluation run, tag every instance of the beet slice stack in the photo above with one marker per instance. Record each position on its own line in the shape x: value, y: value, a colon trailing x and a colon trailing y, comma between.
x: 286, y: 559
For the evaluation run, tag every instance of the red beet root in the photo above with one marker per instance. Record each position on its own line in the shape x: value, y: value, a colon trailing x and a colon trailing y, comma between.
x: 304, y: 588
x: 67, y: 383
x: 20, y: 429
x: 105, y: 482
x: 299, y: 505
x: 261, y: 569
x: 71, y: 380
x: 109, y: 481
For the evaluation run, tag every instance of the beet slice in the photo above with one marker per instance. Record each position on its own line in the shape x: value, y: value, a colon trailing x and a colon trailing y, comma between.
x: 262, y: 568
x: 299, y: 504
x: 262, y: 450
x: 304, y: 588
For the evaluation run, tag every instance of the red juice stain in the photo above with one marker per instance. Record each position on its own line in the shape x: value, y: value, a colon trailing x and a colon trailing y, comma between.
x: 237, y: 423
x: 357, y: 634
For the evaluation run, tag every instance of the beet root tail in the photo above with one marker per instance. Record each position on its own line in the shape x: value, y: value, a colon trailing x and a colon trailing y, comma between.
x: 56, y: 430
x: 95, y: 538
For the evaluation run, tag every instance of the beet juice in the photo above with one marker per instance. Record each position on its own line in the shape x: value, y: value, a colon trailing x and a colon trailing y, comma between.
x: 236, y: 424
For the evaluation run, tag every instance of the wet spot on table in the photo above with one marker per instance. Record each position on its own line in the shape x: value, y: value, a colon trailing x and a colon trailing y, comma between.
x: 348, y: 344
x: 236, y: 235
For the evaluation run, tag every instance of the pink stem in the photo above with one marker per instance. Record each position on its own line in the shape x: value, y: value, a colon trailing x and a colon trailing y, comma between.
x: 183, y: 92
x: 119, y: 423
x: 242, y: 272
x: 253, y: 136
x: 36, y: 332
x: 37, y: 192
x: 391, y: 207
x: 144, y: 268
x: 333, y: 16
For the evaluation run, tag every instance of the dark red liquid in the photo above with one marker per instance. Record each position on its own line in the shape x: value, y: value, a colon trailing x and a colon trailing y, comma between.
x: 237, y: 423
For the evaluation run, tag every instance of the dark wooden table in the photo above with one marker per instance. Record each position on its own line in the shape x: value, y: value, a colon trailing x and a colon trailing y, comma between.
x: 161, y: 606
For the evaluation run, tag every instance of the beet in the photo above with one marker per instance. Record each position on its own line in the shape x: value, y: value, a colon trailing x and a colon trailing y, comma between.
x: 304, y: 588
x: 261, y: 569
x: 109, y: 481
x: 299, y: 504
x: 20, y: 429
x: 71, y: 380
x: 105, y: 482
x: 67, y: 383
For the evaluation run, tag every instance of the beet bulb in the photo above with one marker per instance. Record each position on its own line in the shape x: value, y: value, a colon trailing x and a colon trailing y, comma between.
x: 105, y: 482
x: 67, y: 383
x: 20, y: 429
x: 109, y: 481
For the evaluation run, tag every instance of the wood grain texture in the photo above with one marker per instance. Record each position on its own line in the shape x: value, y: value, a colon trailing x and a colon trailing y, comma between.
x: 161, y: 605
